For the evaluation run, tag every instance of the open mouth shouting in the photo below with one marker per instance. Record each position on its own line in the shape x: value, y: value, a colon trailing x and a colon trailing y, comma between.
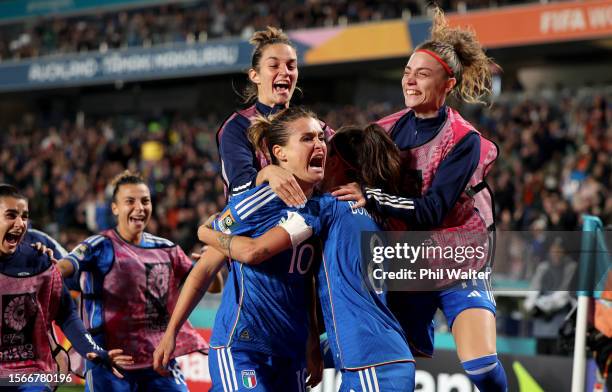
x: 11, y: 240
x: 282, y: 87
x: 317, y: 163
x: 138, y: 220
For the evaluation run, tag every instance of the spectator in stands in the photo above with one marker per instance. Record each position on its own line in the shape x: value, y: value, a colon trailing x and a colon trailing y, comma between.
x: 549, y: 298
x: 185, y: 22
x: 88, y: 155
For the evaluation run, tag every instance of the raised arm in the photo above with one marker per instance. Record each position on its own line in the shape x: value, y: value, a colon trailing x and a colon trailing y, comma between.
x: 245, y: 249
x: 196, y: 284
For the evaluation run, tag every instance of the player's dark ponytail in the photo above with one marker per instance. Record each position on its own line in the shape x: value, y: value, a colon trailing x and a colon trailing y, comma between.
x: 370, y: 156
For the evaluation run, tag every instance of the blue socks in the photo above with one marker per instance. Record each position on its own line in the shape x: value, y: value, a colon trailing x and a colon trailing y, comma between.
x: 487, y: 373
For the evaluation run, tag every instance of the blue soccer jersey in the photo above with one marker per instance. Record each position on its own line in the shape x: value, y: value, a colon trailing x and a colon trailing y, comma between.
x: 264, y: 307
x: 32, y: 236
x: 362, y: 330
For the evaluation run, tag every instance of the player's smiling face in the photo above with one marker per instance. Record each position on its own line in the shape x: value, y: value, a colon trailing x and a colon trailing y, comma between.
x: 13, y: 223
x: 277, y: 75
x: 305, y: 152
x: 133, y: 208
x: 425, y: 85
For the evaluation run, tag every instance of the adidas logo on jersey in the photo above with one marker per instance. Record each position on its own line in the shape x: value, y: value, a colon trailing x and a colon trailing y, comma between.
x: 474, y: 294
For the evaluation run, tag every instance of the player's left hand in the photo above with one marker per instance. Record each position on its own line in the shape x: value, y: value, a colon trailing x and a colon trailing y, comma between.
x: 351, y: 192
x: 42, y: 249
x: 116, y: 359
x: 314, y: 362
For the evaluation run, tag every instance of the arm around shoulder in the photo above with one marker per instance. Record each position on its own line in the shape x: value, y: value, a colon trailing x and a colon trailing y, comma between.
x: 245, y: 249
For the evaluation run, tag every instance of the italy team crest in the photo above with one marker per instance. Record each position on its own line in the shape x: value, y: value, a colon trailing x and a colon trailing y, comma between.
x: 249, y: 380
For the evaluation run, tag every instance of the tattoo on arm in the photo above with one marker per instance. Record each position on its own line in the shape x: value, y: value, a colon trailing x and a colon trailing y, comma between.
x: 225, y: 240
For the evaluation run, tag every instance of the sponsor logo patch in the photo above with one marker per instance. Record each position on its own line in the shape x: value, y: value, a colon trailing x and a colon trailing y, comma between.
x: 226, y: 221
x: 79, y: 251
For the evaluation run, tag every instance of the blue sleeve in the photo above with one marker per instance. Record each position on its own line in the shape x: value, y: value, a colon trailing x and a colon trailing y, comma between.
x: 228, y: 222
x: 72, y: 326
x: 58, y: 250
x: 237, y: 157
x: 248, y: 213
x: 449, y: 182
x: 96, y: 252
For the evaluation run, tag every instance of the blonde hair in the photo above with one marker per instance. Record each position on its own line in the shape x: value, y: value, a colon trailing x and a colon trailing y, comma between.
x: 266, y: 132
x: 260, y: 41
x: 460, y: 49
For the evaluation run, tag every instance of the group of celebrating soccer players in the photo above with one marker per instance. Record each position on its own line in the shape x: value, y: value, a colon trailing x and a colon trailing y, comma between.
x: 299, y: 197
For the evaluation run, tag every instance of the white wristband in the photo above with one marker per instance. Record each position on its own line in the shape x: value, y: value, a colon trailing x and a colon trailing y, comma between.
x: 297, y: 228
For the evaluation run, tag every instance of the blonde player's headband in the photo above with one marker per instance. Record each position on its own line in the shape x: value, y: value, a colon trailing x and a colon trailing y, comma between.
x: 448, y: 69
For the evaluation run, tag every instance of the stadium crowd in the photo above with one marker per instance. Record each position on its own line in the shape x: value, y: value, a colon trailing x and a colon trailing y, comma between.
x: 184, y: 22
x: 554, y: 165
x: 198, y: 21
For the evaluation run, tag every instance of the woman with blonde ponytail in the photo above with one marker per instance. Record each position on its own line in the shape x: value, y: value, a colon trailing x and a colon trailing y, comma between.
x: 444, y: 164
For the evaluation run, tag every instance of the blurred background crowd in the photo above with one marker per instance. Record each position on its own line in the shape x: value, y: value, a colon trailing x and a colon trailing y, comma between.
x: 554, y: 164
x: 199, y: 21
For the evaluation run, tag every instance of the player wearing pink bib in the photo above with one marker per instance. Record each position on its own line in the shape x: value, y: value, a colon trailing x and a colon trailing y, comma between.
x: 130, y: 287
x: 444, y: 163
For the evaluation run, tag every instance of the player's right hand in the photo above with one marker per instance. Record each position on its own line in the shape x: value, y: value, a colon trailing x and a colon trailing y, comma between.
x: 314, y: 361
x: 351, y: 192
x: 113, y: 359
x: 163, y: 354
x: 285, y: 186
